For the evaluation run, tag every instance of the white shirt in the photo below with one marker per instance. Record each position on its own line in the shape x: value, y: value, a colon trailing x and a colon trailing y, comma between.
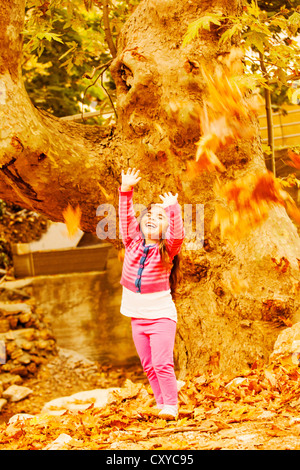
x: 148, y: 306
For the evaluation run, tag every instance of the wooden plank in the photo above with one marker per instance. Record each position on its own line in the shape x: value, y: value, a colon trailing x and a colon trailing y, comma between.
x: 286, y: 126
x: 83, y: 259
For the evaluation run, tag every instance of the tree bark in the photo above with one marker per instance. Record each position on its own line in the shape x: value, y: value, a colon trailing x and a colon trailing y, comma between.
x: 46, y: 163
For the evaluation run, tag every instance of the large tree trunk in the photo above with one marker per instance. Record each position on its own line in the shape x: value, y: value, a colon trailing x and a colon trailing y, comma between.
x: 47, y: 163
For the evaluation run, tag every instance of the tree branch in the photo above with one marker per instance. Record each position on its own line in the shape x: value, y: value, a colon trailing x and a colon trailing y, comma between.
x: 47, y: 163
x: 107, y: 31
x: 268, y: 106
x: 103, y: 68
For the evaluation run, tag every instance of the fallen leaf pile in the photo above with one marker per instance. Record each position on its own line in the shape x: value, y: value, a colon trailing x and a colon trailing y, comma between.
x: 257, y: 410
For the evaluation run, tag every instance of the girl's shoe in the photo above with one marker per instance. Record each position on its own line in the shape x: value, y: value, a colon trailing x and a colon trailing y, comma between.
x: 168, y: 412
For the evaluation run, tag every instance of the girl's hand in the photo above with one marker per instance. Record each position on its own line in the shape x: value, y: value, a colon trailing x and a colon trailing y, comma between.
x: 130, y: 179
x: 168, y: 199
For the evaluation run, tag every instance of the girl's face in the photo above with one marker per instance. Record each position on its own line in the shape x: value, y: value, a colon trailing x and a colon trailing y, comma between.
x: 154, y: 223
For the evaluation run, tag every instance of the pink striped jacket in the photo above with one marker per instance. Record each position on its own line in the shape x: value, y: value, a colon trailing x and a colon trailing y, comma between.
x: 143, y: 270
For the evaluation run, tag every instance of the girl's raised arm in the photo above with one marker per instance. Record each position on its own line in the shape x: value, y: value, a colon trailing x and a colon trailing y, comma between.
x: 129, y: 226
x: 175, y: 233
x: 130, y: 179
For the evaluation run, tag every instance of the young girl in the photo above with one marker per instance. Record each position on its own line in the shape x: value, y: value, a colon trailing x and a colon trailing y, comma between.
x: 150, y: 270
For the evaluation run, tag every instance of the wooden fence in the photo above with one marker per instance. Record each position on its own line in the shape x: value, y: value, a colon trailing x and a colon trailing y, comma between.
x: 286, y: 125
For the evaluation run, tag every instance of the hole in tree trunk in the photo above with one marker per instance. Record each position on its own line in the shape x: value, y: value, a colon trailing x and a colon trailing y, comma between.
x: 127, y: 78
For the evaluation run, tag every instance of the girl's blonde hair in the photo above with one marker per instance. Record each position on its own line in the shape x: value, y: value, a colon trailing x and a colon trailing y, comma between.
x: 174, y: 264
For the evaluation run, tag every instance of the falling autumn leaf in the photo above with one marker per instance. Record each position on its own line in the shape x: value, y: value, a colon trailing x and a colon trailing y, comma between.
x: 72, y: 219
x: 225, y: 115
x: 293, y: 211
x: 294, y: 159
x: 245, y: 203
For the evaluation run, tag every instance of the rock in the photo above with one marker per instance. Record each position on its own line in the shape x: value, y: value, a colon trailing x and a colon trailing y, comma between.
x: 16, y: 284
x: 25, y: 358
x: 20, y: 370
x: 16, y: 354
x: 26, y: 345
x: 73, y: 358
x: 4, y: 325
x: 2, y: 403
x: 25, y: 317
x: 287, y: 345
x: 32, y: 368
x: 16, y: 393
x: 13, y: 308
x: 26, y: 339
x: 79, y: 401
x: 59, y: 443
x: 25, y: 333
x: 41, y: 344
x: 10, y: 379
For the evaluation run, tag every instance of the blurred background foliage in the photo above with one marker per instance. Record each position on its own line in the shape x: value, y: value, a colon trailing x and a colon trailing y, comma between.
x: 64, y: 42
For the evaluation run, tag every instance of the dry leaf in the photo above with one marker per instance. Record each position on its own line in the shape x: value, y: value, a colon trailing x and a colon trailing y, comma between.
x: 294, y: 159
x: 225, y: 116
x: 271, y: 378
x: 270, y: 394
x: 245, y: 203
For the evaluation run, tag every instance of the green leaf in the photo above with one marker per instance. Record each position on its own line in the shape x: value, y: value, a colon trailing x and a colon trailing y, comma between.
x: 202, y: 23
x: 266, y: 149
x: 295, y: 19
x: 257, y: 40
x: 294, y: 23
x: 71, y: 49
x: 49, y: 37
x: 253, y: 9
x: 295, y: 96
x: 229, y: 33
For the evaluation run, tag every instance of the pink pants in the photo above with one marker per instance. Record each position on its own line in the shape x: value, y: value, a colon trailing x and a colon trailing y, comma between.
x: 154, y: 342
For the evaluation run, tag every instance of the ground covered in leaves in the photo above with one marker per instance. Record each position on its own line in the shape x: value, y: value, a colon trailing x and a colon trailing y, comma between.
x: 259, y: 409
